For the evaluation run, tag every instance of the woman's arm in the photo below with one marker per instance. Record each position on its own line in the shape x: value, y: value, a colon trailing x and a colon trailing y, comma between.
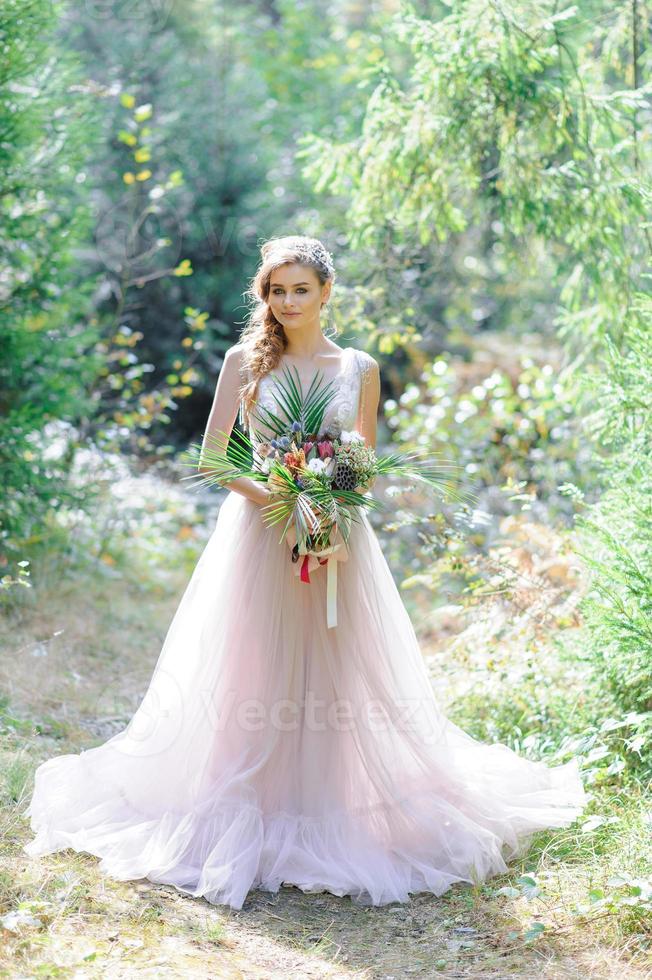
x: 221, y: 419
x: 369, y: 400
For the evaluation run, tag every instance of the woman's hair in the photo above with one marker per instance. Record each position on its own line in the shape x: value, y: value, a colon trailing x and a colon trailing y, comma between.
x: 263, y: 338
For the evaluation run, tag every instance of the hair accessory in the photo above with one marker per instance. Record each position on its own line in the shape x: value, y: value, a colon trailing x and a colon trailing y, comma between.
x: 306, y: 250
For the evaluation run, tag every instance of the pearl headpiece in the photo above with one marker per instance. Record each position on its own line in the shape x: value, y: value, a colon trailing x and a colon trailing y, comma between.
x: 303, y: 250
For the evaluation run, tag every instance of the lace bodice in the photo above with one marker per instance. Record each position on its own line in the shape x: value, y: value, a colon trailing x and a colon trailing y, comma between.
x: 345, y: 398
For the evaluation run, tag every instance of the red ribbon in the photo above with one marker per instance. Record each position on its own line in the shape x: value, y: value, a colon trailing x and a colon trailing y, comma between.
x: 305, y: 572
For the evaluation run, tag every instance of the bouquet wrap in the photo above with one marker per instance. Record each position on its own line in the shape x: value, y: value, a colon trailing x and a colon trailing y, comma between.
x: 310, y: 559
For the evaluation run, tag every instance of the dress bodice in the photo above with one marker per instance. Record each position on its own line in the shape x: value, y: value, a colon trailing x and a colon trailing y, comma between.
x: 342, y: 409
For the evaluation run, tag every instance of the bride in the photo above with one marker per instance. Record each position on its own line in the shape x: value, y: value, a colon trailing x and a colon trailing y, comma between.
x: 270, y: 749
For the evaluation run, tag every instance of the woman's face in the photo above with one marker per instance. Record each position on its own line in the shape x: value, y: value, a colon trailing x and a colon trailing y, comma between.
x: 296, y: 295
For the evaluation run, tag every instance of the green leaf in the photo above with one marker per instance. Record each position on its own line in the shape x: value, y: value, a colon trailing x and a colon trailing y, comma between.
x: 535, y: 930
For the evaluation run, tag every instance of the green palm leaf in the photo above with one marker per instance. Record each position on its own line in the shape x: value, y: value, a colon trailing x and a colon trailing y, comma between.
x: 427, y: 468
x: 294, y: 406
x: 223, y: 466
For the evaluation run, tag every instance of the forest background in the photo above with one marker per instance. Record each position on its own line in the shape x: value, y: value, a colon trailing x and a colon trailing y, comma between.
x: 481, y: 173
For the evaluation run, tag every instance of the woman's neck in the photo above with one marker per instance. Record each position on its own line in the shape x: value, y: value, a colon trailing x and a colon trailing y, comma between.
x: 307, y: 351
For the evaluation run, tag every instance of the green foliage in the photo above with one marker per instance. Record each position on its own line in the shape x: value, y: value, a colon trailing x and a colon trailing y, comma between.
x: 21, y: 578
x: 617, y: 531
x: 499, y: 427
x: 71, y: 380
x: 135, y: 241
x: 502, y: 101
x: 543, y: 720
x: 627, y: 898
x: 307, y: 410
x: 46, y: 366
x: 493, y: 129
x: 515, y: 434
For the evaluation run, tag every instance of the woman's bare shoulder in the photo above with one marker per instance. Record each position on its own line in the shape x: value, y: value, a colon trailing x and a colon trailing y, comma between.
x: 234, y: 356
x: 367, y: 361
x: 234, y: 351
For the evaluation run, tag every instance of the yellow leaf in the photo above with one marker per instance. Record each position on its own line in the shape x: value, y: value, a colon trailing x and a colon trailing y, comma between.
x: 128, y: 177
x: 127, y: 138
x: 199, y: 322
x: 142, y: 155
x: 186, y: 342
x: 128, y: 101
x: 184, y: 268
x: 385, y: 345
x: 143, y: 175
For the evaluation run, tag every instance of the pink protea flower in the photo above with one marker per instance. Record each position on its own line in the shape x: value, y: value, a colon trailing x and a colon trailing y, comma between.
x: 307, y: 446
x: 325, y: 449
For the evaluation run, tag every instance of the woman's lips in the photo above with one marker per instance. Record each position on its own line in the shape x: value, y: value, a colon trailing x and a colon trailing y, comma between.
x: 291, y: 314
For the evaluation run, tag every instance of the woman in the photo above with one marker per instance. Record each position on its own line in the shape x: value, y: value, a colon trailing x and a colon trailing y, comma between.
x: 272, y: 749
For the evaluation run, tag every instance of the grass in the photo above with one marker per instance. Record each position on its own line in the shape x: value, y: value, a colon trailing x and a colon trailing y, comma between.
x: 77, y: 651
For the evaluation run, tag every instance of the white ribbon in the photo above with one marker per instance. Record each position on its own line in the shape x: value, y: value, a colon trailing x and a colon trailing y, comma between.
x: 330, y: 556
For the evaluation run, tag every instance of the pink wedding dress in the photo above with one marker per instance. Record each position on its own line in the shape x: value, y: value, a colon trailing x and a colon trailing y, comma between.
x: 270, y: 748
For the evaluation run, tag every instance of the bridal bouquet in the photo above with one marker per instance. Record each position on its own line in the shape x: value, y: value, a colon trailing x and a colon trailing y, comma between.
x: 318, y: 475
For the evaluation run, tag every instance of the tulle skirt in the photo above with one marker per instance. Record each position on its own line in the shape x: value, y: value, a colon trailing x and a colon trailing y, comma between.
x: 272, y: 749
